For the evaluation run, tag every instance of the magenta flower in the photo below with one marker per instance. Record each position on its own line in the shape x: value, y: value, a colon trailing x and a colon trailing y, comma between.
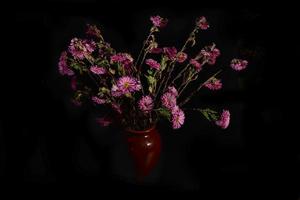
x: 146, y: 104
x: 224, y: 120
x: 171, y: 52
x: 63, y: 67
x: 74, y: 83
x: 98, y: 100
x: 93, y: 31
x: 238, y: 64
x: 202, y: 23
x: 153, y: 64
x: 123, y: 58
x: 168, y: 100
x: 116, y: 107
x: 178, y: 117
x: 158, y: 21
x: 214, y: 84
x: 196, y: 64
x: 127, y: 84
x: 115, y: 91
x: 210, y: 55
x: 173, y: 90
x: 81, y: 48
x: 104, y: 121
x: 156, y: 50
x: 181, y: 57
x: 97, y: 70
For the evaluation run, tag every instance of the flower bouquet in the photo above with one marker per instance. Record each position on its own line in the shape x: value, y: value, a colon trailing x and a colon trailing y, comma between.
x: 144, y: 90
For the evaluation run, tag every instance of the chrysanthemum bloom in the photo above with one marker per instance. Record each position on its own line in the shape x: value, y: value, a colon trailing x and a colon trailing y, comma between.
x: 171, y: 52
x: 63, y: 67
x: 202, y: 23
x: 93, y: 30
x: 224, y: 120
x: 116, y: 107
x: 178, y: 117
x: 181, y: 57
x: 168, y: 100
x: 238, y: 64
x: 156, y: 50
x: 97, y: 70
x: 146, y: 104
x: 104, y: 121
x: 81, y: 48
x: 127, y: 84
x: 214, y: 84
x: 153, y: 64
x: 123, y: 58
x: 158, y: 21
x: 115, y: 91
x: 173, y: 90
x: 196, y: 64
x: 98, y: 100
x: 210, y: 55
x: 74, y: 83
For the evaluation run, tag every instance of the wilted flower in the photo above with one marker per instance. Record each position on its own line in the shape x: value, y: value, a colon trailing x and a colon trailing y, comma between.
x: 178, y: 117
x: 153, y: 64
x: 181, y: 57
x: 224, y: 120
x: 63, y: 67
x: 93, y: 31
x: 158, y: 21
x: 97, y: 70
x: 202, y: 23
x: 238, y: 64
x: 171, y: 52
x: 196, y: 64
x: 127, y: 84
x: 214, y: 84
x: 98, y: 100
x: 146, y: 104
x: 81, y: 48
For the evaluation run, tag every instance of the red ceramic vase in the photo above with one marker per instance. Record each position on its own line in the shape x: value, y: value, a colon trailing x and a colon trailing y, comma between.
x: 144, y: 148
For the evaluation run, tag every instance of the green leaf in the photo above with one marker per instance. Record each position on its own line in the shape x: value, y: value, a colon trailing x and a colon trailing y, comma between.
x: 151, y: 80
x: 165, y: 113
x: 150, y: 71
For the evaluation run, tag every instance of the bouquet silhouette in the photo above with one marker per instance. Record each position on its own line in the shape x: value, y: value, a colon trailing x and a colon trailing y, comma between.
x: 140, y: 91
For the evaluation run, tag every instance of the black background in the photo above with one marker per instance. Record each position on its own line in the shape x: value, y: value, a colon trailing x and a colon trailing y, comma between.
x: 48, y: 143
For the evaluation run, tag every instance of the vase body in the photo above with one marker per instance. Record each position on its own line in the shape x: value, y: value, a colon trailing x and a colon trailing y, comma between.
x: 144, y: 148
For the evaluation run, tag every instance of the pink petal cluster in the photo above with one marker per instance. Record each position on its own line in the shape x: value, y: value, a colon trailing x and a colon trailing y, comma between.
x: 81, y: 48
x: 97, y: 70
x: 224, y: 120
x: 171, y: 52
x: 210, y: 55
x: 104, y: 121
x: 146, y: 104
x: 123, y: 58
x: 127, y: 84
x: 63, y: 67
x: 153, y: 64
x: 238, y: 64
x: 196, y: 64
x: 202, y: 23
x: 168, y: 100
x: 214, y: 84
x: 98, y: 100
x: 115, y: 91
x: 156, y: 50
x: 158, y: 21
x: 93, y: 30
x: 178, y: 117
x: 181, y: 57
x: 173, y: 90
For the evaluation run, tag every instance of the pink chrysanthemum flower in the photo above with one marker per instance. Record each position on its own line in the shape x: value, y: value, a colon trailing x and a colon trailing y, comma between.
x: 181, y: 57
x: 224, y: 120
x: 115, y: 91
x: 238, y: 64
x: 146, y: 104
x: 93, y: 31
x: 210, y: 55
x: 196, y: 64
x: 127, y: 84
x: 178, y: 117
x: 97, y: 70
x: 153, y: 64
x: 156, y: 50
x: 171, y: 52
x: 214, y: 84
x: 168, y: 100
x: 123, y: 58
x: 158, y: 21
x: 173, y: 90
x: 98, y: 100
x: 63, y: 67
x: 202, y: 23
x: 74, y: 83
x: 81, y: 48
x: 116, y: 108
x: 104, y: 121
